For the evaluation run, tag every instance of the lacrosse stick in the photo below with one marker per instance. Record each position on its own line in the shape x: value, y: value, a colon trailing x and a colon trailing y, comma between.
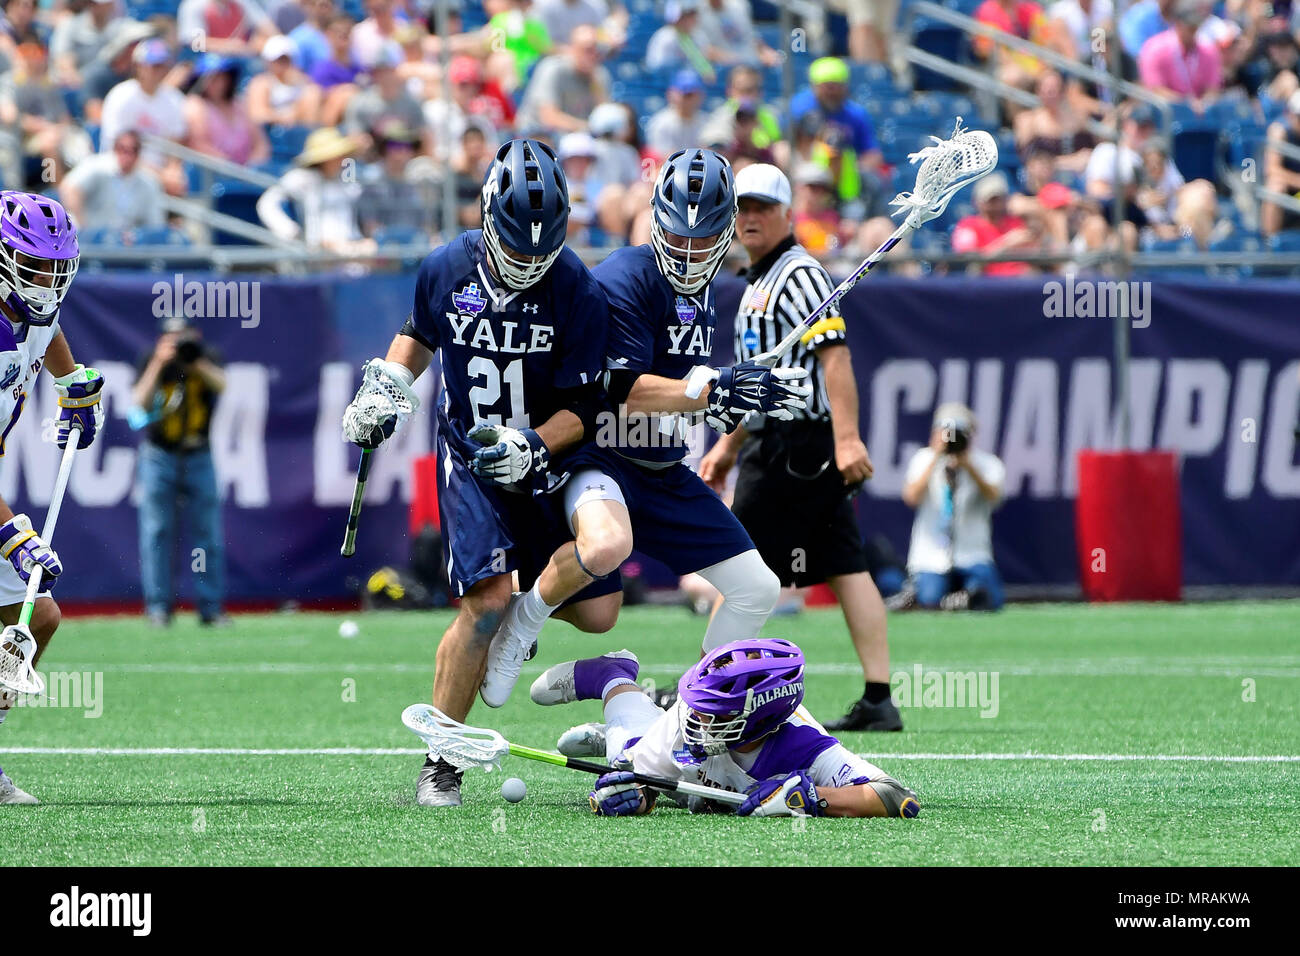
x: 946, y: 167
x: 380, y: 396
x: 17, y: 644
x: 464, y: 747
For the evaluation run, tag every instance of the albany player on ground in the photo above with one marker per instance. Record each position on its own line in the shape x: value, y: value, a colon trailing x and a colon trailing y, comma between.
x: 737, y: 725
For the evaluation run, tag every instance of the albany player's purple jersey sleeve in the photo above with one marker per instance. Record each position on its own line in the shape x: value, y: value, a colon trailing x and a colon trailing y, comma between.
x: 507, y: 358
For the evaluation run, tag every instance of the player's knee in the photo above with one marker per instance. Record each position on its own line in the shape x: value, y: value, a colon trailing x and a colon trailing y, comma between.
x: 758, y: 595
x: 485, y: 605
x: 898, y: 800
x: 603, y: 549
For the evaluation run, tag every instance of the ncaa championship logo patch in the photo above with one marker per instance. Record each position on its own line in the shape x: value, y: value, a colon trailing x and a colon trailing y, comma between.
x: 469, y: 300
x: 749, y: 339
x: 11, y: 375
x: 685, y: 311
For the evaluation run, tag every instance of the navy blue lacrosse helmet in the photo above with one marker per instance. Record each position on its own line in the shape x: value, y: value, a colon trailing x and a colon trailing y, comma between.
x: 694, y: 217
x: 525, y: 212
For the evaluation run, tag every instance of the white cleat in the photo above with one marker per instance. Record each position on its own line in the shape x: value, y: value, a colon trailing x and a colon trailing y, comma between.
x: 558, y: 684
x: 9, y: 793
x: 585, y: 740
x: 506, y: 656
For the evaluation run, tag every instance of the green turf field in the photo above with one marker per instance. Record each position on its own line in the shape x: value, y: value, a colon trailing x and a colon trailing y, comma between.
x: 1140, y: 686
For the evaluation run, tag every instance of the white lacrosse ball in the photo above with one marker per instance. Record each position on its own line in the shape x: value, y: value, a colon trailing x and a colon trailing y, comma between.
x: 513, y: 790
x: 349, y: 629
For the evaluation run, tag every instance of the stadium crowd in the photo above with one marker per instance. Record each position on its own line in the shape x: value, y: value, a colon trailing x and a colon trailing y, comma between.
x: 343, y: 102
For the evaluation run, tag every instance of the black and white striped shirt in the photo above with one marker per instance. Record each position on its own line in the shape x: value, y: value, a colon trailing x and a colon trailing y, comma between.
x: 784, y: 287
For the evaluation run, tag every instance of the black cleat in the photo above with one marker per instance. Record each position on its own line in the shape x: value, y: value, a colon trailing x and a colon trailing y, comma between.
x: 864, y: 715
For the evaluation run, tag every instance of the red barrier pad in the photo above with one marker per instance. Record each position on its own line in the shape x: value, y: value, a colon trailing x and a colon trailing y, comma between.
x: 424, y: 503
x: 1128, y: 525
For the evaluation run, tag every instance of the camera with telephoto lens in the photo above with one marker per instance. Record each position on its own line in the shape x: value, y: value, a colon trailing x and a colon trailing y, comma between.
x: 188, y: 350
x: 956, y: 435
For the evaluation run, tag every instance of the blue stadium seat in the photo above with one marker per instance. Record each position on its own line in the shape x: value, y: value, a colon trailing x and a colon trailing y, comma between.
x: 946, y: 42
x: 287, y: 141
x: 1236, y: 242
x: 159, y: 236
x: 1288, y: 241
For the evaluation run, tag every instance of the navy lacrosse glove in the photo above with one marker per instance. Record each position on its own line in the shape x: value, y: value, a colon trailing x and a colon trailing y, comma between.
x: 511, y: 456
x: 750, y: 387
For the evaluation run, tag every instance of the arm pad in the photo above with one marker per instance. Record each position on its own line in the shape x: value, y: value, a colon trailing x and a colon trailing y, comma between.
x: 408, y: 328
x: 585, y: 401
x: 618, y: 385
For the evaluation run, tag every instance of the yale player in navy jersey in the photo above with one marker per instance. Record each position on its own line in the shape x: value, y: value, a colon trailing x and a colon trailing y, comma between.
x: 661, y: 314
x: 520, y: 327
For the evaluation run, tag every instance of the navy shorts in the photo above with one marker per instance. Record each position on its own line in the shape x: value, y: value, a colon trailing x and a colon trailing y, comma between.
x: 488, y: 531
x: 676, y: 518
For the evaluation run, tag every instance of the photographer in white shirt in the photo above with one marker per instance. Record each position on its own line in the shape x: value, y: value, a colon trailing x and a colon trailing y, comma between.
x: 954, y: 488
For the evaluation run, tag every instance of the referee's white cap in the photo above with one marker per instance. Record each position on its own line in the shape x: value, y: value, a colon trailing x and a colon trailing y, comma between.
x: 763, y: 181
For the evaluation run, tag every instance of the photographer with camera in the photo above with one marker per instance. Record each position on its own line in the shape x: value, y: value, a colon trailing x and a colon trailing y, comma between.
x: 173, y: 398
x: 954, y: 488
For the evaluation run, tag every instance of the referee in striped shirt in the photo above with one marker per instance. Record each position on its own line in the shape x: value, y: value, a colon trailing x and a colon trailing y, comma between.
x: 797, y: 478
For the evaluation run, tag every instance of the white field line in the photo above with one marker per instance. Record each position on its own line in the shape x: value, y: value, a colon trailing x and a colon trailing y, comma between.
x: 1118, y: 667
x: 413, y: 751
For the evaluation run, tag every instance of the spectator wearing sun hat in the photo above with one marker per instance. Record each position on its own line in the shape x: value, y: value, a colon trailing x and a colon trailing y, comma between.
x: 327, y: 200
x: 826, y: 109
x: 681, y: 123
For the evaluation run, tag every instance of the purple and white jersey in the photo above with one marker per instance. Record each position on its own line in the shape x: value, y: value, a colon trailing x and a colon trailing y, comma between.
x: 801, y: 743
x: 22, y: 356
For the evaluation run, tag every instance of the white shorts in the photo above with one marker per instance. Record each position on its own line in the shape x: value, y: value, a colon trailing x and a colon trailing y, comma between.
x: 12, y: 588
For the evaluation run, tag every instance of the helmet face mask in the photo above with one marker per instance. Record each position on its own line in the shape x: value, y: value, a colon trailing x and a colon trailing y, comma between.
x: 39, y: 256
x: 525, y: 213
x: 694, y: 218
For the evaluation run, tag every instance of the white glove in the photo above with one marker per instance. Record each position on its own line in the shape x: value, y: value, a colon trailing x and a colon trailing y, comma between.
x: 509, y: 455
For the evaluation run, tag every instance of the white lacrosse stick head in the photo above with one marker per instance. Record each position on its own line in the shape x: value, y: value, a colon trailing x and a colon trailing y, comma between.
x: 17, y: 652
x: 382, y: 393
x: 460, y: 745
x: 946, y: 167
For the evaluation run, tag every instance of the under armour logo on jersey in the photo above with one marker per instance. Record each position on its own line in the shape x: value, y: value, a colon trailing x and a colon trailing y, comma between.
x: 531, y: 308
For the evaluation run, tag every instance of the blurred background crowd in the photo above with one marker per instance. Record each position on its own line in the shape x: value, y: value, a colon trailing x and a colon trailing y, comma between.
x: 350, y: 125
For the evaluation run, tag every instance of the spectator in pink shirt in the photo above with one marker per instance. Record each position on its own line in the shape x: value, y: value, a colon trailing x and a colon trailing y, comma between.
x: 1176, y: 65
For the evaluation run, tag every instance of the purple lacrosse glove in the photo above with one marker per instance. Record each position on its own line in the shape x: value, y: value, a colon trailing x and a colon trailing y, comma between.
x: 789, y: 796
x: 24, y: 549
x: 79, y: 407
x: 617, y: 794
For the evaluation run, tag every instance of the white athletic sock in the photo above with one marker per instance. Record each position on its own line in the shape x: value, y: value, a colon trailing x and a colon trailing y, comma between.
x: 627, y: 716
x: 532, y: 611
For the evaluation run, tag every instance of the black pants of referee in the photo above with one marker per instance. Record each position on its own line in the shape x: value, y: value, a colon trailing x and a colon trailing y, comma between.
x: 793, y: 502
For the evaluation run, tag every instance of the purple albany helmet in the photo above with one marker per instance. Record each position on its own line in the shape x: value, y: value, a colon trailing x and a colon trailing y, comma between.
x: 38, y: 255
x: 738, y: 693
